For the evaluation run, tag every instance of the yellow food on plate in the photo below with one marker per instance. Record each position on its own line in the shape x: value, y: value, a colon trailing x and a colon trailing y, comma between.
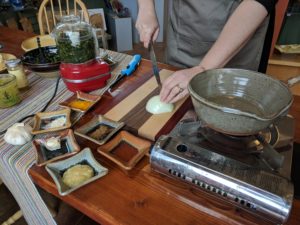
x: 80, y: 104
x: 77, y: 174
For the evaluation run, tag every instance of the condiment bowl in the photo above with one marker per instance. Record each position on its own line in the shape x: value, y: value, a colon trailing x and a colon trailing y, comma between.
x: 85, y: 157
x: 43, y: 61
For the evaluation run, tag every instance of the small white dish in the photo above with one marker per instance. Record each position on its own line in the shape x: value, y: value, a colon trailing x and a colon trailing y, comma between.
x: 51, y: 121
x: 85, y: 157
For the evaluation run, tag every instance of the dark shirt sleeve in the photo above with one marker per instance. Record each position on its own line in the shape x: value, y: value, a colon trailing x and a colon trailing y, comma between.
x: 268, y: 4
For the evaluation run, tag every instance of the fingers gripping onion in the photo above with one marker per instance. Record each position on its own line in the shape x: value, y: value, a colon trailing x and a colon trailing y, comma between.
x: 155, y: 106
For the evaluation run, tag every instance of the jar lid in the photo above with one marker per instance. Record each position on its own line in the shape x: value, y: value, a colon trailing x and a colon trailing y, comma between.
x: 12, y: 62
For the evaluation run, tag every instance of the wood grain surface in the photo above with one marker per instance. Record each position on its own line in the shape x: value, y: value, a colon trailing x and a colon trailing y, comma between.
x: 127, y: 102
x: 145, y: 197
x: 142, y: 197
x: 148, y: 198
x: 283, y: 73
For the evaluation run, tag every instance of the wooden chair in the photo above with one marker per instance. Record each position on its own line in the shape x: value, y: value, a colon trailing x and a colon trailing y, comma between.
x: 26, y: 25
x: 50, y: 13
x: 98, y: 23
x: 11, y: 23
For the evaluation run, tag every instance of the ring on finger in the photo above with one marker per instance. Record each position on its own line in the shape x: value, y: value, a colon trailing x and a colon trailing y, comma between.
x: 180, y: 89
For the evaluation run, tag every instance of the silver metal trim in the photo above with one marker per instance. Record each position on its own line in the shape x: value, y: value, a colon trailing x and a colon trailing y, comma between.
x: 154, y: 64
x: 85, y: 80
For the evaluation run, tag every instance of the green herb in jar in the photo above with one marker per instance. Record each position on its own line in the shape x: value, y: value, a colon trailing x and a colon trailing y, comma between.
x: 77, y: 49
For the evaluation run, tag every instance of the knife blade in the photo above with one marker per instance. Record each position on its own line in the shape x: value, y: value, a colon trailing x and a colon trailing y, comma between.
x: 154, y: 64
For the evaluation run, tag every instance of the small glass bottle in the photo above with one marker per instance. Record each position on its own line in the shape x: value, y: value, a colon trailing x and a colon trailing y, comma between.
x: 15, y: 67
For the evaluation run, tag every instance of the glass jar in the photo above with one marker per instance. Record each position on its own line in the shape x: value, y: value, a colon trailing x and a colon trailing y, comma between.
x: 75, y: 40
x: 15, y: 67
x: 9, y: 92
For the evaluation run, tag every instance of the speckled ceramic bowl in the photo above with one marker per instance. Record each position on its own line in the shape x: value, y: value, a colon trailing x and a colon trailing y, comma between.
x: 50, y: 60
x: 239, y: 102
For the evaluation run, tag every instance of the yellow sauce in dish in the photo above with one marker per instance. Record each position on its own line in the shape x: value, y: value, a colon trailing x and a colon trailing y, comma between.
x: 80, y: 104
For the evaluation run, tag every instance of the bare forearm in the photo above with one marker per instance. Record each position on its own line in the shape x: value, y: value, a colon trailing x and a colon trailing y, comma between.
x: 235, y: 34
x: 146, y: 5
x: 146, y: 22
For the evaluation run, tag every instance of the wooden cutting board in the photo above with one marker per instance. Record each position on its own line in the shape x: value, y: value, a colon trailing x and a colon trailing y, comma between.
x: 131, y: 110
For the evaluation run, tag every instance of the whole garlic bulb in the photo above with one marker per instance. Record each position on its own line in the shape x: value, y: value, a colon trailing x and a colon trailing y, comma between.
x: 18, y: 134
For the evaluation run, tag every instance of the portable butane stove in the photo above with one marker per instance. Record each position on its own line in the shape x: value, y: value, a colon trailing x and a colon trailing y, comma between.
x: 233, y: 168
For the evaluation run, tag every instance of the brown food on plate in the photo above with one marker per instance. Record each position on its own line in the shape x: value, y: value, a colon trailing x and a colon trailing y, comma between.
x: 101, y: 132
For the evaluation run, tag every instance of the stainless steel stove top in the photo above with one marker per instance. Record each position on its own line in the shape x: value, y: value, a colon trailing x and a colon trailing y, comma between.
x: 245, y: 171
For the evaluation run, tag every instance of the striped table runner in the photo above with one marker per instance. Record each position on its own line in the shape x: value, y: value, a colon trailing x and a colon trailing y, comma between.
x: 15, y: 161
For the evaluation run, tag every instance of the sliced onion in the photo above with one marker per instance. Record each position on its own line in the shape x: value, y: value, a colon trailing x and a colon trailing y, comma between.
x: 155, y: 106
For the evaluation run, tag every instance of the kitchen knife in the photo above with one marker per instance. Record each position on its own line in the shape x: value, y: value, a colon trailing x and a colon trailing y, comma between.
x: 154, y: 64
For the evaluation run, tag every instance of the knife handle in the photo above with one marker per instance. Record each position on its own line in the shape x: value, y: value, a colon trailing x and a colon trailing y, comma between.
x: 132, y: 65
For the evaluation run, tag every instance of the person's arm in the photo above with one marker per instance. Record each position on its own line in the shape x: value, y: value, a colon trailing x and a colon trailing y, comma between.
x: 237, y: 31
x: 235, y: 34
x: 146, y: 23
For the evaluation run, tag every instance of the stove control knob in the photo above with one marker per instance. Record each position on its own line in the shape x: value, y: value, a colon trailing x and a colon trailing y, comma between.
x: 181, y: 148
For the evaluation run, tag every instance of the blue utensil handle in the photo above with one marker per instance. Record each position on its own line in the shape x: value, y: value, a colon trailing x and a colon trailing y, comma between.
x: 132, y: 65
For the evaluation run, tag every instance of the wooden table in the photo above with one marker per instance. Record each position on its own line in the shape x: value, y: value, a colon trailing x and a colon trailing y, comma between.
x: 283, y: 67
x: 141, y: 197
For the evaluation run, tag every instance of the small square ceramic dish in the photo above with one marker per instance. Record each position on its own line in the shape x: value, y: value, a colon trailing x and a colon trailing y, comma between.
x: 85, y: 157
x: 99, y: 129
x: 51, y: 121
x: 47, y: 151
x: 81, y: 102
x: 125, y: 150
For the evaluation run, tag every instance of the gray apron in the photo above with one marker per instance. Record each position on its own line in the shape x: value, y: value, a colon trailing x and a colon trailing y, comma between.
x: 194, y: 26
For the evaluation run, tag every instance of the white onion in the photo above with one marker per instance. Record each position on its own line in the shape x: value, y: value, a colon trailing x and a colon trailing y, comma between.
x: 155, y: 106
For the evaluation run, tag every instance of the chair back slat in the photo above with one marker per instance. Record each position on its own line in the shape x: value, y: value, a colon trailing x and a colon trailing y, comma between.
x: 47, y: 20
x: 75, y: 7
x: 53, y: 13
x: 11, y: 23
x: 68, y: 8
x: 60, y: 10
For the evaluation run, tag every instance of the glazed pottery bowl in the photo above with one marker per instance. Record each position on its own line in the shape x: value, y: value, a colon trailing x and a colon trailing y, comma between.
x: 31, y: 43
x: 43, y: 61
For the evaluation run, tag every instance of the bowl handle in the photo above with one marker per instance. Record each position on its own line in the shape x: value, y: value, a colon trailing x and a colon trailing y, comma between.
x: 292, y: 81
